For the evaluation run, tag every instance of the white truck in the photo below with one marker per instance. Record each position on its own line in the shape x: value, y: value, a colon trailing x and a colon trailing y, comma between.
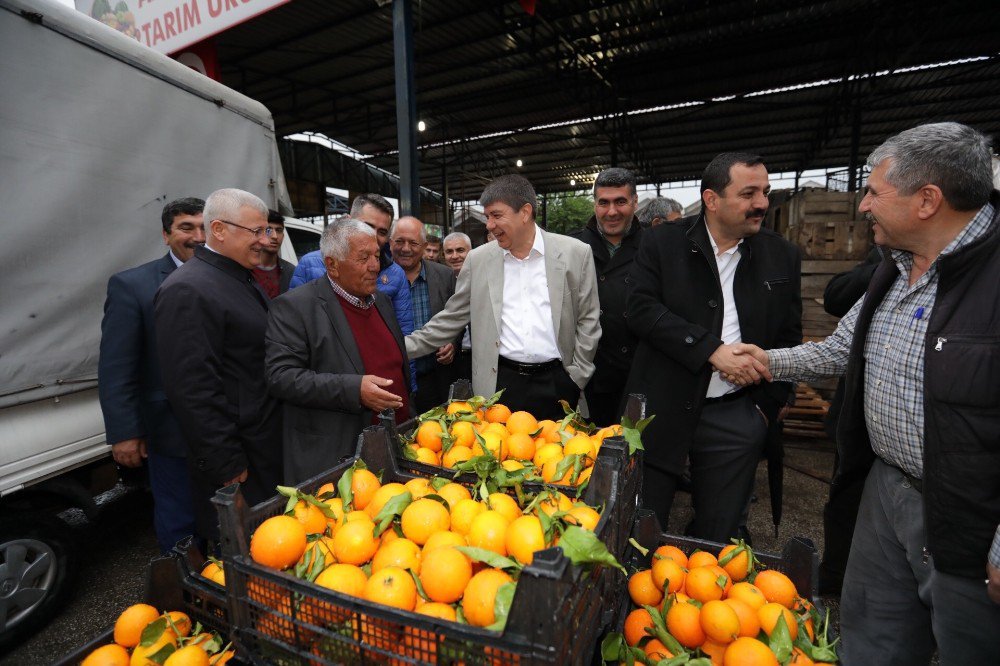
x: 97, y: 133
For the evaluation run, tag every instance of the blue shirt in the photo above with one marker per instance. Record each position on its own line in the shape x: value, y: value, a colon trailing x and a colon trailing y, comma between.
x: 420, y: 300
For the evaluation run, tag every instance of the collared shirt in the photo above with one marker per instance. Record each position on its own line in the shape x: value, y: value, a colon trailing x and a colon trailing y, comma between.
x: 611, y: 247
x: 726, y: 263
x: 527, y: 333
x: 420, y: 302
x: 364, y: 303
x: 894, y: 356
x: 178, y: 262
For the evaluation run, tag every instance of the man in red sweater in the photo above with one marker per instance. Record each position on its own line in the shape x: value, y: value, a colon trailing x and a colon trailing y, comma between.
x: 335, y: 354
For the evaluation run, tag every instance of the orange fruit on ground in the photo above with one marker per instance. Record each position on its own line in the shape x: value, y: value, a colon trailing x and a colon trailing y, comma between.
x: 392, y: 586
x: 768, y: 615
x: 489, y: 530
x: 749, y: 652
x: 497, y: 413
x: 582, y: 446
x: 401, y: 553
x: 673, y: 552
x: 459, y: 406
x: 643, y: 590
x: 455, y: 455
x: 749, y: 623
x: 715, y: 651
x: 463, y: 513
x: 543, y: 454
x: 737, y: 567
x: 215, y: 573
x: 426, y: 456
x: 520, y: 446
x: 511, y: 465
x: 776, y: 587
x: 419, y: 487
x: 669, y: 574
x: 702, y: 584
x: 522, y: 422
x: 423, y: 518
x: 584, y: 516
x: 429, y: 435
x: 635, y: 625
x: 355, y: 542
x: 720, y: 622
x: 189, y: 655
x: 445, y: 574
x: 443, y: 539
x: 684, y: 623
x: 480, y: 595
x: 505, y: 504
x: 343, y: 578
x: 278, y: 542
x: 131, y: 622
x: 463, y: 433
x: 452, y: 492
x: 701, y: 558
x: 382, y: 497
x: 107, y: 655
x: 749, y: 594
x: 656, y: 650
x: 524, y: 536
x: 363, y: 486
x: 311, y: 517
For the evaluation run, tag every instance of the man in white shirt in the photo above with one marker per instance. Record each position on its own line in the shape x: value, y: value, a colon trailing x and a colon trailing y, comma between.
x: 703, y: 284
x: 531, y: 298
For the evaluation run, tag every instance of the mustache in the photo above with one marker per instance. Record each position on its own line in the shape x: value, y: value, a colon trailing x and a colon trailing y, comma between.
x: 756, y: 212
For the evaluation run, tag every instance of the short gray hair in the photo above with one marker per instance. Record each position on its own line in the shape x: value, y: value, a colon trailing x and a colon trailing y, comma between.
x: 458, y: 236
x: 336, y: 239
x: 659, y: 207
x: 952, y: 156
x: 225, y: 204
x: 395, y: 223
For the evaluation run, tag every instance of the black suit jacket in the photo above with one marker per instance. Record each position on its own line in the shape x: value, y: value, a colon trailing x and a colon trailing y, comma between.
x: 210, y: 321
x: 128, y: 371
x: 287, y: 270
x: 313, y: 365
x: 676, y: 312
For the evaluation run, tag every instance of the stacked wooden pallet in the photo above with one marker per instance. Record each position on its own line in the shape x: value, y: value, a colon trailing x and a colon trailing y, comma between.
x: 805, y: 419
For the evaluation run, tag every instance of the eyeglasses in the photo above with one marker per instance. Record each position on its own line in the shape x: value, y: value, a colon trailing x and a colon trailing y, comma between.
x: 267, y: 231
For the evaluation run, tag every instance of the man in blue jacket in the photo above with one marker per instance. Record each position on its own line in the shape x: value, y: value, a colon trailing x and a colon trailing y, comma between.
x: 138, y: 419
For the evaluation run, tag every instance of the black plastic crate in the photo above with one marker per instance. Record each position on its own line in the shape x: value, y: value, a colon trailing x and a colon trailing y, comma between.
x: 614, y: 449
x: 557, y: 615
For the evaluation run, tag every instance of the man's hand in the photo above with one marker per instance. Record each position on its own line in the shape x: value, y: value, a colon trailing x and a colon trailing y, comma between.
x: 238, y: 479
x: 129, y: 452
x: 446, y: 354
x: 375, y: 397
x: 993, y: 583
x: 739, y: 369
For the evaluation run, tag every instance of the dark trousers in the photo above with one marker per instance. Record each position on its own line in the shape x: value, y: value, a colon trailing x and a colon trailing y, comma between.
x: 432, y: 388
x: 539, y: 392
x: 606, y: 405
x: 725, y: 449
x: 173, y: 509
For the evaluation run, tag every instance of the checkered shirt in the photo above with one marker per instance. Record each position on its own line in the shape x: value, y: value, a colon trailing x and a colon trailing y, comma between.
x: 364, y: 303
x: 894, y: 359
x: 420, y: 298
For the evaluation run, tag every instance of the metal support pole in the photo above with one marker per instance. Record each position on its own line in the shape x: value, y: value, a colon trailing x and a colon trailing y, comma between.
x: 406, y: 107
x: 545, y: 212
x: 445, y: 206
x: 853, y: 171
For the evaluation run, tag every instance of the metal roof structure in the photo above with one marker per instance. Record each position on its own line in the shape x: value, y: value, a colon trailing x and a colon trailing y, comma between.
x: 657, y: 87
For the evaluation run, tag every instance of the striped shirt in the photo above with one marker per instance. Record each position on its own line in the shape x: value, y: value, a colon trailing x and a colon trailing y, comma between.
x: 894, y: 359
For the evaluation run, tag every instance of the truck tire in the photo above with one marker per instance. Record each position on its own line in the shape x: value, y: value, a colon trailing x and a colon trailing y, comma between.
x: 37, y: 566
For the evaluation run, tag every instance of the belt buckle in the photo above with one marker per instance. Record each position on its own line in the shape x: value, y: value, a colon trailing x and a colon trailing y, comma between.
x: 523, y: 369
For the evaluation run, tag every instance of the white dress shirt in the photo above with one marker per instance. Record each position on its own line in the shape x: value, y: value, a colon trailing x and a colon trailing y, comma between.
x: 727, y: 263
x: 527, y: 333
x: 177, y: 262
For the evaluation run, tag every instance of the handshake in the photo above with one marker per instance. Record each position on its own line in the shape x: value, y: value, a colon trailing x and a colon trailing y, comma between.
x: 741, y: 364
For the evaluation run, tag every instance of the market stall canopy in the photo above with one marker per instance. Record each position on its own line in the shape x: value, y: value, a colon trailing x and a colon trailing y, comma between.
x: 657, y: 87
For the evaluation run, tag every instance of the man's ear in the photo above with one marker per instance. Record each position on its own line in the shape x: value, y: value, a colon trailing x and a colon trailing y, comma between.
x: 217, y: 228
x: 166, y: 237
x: 332, y: 269
x: 525, y: 212
x: 929, y: 198
x: 710, y: 200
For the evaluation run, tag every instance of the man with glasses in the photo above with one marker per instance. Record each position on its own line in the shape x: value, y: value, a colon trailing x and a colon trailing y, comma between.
x: 274, y: 273
x: 210, y: 320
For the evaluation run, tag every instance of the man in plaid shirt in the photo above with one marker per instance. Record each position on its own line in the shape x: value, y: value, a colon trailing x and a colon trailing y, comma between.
x: 921, y: 415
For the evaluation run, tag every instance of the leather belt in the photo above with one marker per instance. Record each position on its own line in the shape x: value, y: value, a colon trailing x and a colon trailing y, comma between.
x: 528, y: 368
x: 729, y: 397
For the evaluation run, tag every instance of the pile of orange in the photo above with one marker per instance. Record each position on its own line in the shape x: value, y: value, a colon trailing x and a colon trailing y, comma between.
x: 145, y: 637
x: 715, y: 606
x: 559, y: 452
x: 416, y: 561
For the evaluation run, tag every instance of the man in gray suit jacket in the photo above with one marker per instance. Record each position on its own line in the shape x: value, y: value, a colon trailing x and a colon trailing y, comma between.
x: 531, y: 299
x: 431, y: 285
x: 334, y: 354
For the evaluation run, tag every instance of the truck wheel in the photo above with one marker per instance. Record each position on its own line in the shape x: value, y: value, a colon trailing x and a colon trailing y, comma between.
x: 37, y: 567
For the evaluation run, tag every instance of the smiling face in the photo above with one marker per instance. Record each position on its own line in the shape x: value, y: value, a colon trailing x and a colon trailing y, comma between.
x: 407, y: 243
x: 377, y: 220
x: 614, y: 208
x: 357, y: 273
x: 241, y: 243
x: 738, y: 211
x: 893, y: 215
x: 514, y: 230
x: 455, y: 252
x: 186, y: 233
